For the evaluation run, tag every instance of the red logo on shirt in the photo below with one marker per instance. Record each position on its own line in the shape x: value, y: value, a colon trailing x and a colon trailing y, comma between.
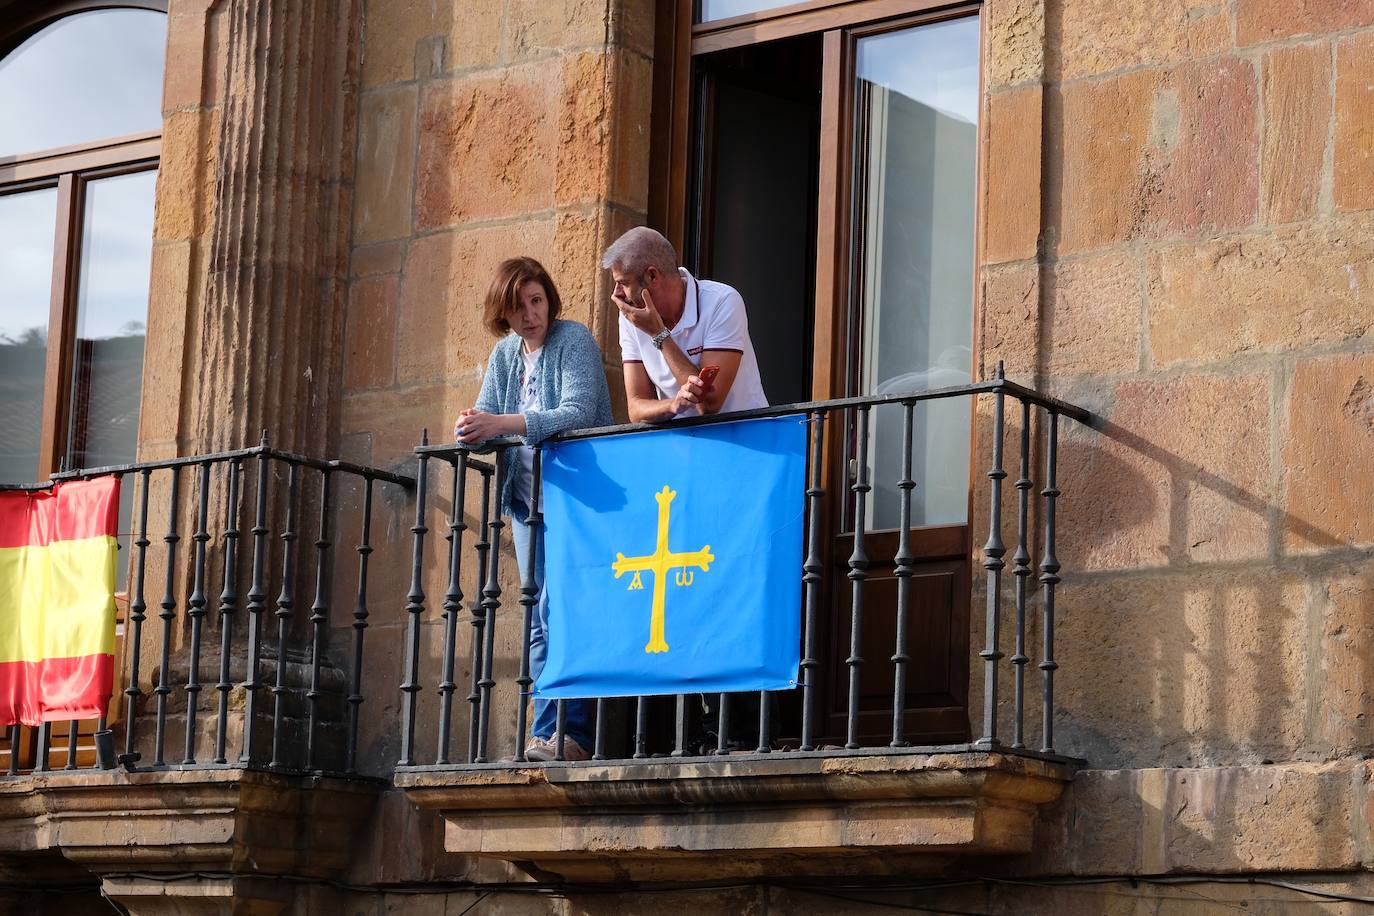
x: 694, y: 351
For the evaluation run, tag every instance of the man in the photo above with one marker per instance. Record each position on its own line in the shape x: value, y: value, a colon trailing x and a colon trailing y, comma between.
x: 671, y: 325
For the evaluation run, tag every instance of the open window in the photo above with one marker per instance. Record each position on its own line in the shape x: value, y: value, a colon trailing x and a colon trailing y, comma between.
x: 822, y: 158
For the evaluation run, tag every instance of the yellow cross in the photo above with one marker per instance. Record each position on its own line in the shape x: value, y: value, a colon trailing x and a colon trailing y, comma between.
x: 659, y: 562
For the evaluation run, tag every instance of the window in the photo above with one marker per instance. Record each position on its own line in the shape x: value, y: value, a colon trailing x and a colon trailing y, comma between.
x: 80, y: 123
x: 821, y: 157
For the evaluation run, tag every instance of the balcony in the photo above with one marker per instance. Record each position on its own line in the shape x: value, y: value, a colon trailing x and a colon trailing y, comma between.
x: 364, y: 640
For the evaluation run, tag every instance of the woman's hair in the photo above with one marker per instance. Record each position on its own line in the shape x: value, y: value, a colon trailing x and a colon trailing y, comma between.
x: 503, y: 297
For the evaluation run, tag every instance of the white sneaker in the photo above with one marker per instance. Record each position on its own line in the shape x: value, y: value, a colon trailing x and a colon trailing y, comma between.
x: 547, y: 749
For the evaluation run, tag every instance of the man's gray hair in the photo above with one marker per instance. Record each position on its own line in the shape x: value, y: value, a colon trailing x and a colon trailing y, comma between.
x: 638, y: 250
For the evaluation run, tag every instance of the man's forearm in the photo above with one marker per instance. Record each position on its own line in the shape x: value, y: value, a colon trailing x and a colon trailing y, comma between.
x: 678, y: 362
x: 649, y: 410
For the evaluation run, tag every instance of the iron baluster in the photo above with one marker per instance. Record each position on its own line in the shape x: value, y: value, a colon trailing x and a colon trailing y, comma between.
x: 319, y: 616
x: 491, y: 600
x: 641, y: 728
x: 529, y: 599
x: 1020, y: 569
x: 765, y: 724
x: 599, y: 737
x: 360, y: 614
x: 905, y: 564
x: 559, y: 735
x: 812, y: 569
x: 228, y: 605
x: 478, y: 620
x: 136, y: 617
x: 415, y: 608
x: 256, y: 604
x: 44, y: 747
x: 993, y: 552
x: 72, y: 727
x: 1049, y: 578
x: 858, y: 573
x: 14, y: 750
x: 195, y: 610
x: 286, y: 602
x: 723, y: 725
x: 453, y: 602
x: 168, y: 605
x: 680, y: 723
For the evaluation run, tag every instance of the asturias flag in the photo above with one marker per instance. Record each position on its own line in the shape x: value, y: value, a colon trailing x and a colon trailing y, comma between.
x: 673, y: 560
x: 57, y: 611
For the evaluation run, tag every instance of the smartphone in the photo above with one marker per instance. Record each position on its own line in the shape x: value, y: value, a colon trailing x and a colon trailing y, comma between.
x: 708, y: 376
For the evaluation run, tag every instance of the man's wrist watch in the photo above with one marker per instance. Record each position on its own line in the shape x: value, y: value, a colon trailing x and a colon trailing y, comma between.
x: 660, y: 339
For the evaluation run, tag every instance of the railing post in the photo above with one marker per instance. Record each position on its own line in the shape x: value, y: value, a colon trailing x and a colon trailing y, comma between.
x: 858, y: 573
x: 491, y: 601
x: 1049, y: 578
x: 812, y: 569
x: 136, y: 616
x: 319, y: 616
x: 453, y: 601
x: 360, y: 614
x: 905, y: 564
x: 228, y: 605
x: 286, y: 602
x: 168, y: 604
x: 529, y: 598
x: 195, y: 610
x: 641, y: 750
x: 993, y: 552
x: 478, y: 620
x: 1020, y: 568
x: 256, y: 603
x: 415, y: 607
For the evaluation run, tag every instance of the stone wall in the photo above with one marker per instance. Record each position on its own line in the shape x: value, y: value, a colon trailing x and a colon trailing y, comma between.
x: 1178, y: 235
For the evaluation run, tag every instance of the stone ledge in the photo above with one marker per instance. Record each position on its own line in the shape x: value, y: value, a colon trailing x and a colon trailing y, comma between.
x: 758, y: 816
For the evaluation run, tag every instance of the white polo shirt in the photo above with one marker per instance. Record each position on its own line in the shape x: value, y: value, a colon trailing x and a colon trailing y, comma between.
x: 713, y: 318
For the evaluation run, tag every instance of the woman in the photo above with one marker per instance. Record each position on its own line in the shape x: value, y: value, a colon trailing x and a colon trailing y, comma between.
x: 544, y: 377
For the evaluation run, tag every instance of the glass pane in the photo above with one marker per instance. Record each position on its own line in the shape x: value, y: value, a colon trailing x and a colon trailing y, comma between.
x: 916, y: 115
x: 27, y: 224
x: 711, y: 10
x: 112, y: 311
x: 86, y: 77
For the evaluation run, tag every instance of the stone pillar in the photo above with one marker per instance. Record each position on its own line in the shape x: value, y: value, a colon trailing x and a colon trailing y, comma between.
x: 264, y: 352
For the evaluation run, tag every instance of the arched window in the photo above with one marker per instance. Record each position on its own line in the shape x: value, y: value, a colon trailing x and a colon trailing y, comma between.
x: 80, y: 133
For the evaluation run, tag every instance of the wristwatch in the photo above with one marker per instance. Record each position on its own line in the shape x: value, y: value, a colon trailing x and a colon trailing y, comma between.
x: 660, y: 338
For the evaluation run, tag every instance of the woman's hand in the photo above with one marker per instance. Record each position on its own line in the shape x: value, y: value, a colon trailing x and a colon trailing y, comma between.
x: 473, y: 426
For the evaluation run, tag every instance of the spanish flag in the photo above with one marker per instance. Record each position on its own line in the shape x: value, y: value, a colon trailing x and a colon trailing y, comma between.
x: 57, y: 611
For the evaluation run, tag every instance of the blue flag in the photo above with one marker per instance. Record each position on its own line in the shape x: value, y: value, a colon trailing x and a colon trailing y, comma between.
x: 673, y: 560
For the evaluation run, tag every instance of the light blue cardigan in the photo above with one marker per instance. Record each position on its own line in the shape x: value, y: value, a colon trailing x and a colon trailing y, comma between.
x: 570, y: 376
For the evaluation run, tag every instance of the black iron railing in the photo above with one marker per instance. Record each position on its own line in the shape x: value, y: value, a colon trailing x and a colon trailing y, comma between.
x: 266, y: 490
x: 471, y: 481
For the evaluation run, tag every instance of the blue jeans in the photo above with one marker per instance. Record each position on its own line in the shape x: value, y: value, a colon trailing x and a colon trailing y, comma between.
x: 579, y: 714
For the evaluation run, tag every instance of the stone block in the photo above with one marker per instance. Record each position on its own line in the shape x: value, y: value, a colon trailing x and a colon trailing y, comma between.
x: 1099, y: 36
x: 394, y: 420
x: 169, y: 301
x: 584, y: 132
x: 632, y: 25
x: 1328, y: 453
x: 1347, y: 699
x: 370, y: 336
x: 537, y: 28
x: 393, y: 27
x: 186, y: 173
x: 1103, y: 133
x: 632, y: 117
x: 1182, y: 669
x: 1179, y: 474
x: 1293, y: 287
x: 1297, y: 114
x: 183, y: 77
x: 1353, y: 178
x: 1011, y: 320
x: 1094, y: 317
x: 386, y: 165
x: 1204, y: 158
x: 485, y: 144
x: 1259, y: 21
x: 1015, y: 44
x: 381, y: 258
x: 1011, y: 207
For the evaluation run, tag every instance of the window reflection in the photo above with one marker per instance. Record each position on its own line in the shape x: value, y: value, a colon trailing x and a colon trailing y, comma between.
x: 711, y: 10
x: 916, y: 110
x: 86, y: 77
x: 27, y: 225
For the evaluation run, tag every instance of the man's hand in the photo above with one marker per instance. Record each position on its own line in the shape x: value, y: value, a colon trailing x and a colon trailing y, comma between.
x: 473, y: 426
x: 646, y: 317
x: 687, y: 401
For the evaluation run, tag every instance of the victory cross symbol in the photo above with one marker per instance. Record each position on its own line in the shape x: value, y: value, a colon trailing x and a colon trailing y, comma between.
x: 659, y: 562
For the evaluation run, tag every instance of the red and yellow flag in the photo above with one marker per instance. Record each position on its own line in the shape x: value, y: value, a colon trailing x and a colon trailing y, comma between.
x: 57, y: 611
